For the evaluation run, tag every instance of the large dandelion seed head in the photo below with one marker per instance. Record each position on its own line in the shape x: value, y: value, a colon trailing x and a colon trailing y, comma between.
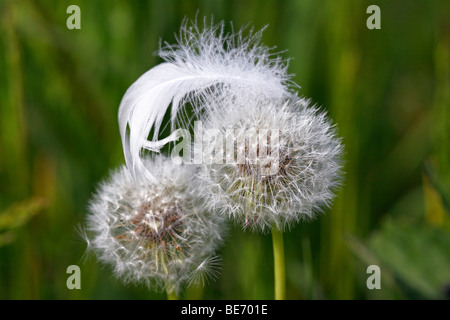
x: 285, y: 161
x: 161, y: 233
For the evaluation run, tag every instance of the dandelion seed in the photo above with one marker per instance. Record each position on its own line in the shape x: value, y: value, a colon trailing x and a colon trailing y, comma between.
x: 158, y: 234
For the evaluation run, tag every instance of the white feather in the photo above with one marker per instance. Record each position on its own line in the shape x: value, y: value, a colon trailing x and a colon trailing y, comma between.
x: 203, y: 66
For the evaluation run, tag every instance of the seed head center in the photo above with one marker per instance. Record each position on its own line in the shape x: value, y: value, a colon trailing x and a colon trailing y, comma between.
x: 157, y: 225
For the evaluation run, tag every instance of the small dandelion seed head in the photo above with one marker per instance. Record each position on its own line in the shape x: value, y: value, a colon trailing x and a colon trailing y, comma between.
x: 153, y: 233
x: 285, y: 180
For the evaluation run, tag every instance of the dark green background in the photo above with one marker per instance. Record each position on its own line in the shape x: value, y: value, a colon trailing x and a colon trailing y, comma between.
x: 388, y: 91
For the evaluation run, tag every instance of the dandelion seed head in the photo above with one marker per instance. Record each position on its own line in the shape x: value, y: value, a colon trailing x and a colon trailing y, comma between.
x: 206, y: 270
x: 156, y: 234
x: 306, y: 157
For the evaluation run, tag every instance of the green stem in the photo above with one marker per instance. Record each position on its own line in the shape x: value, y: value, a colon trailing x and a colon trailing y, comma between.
x: 171, y: 295
x: 278, y: 259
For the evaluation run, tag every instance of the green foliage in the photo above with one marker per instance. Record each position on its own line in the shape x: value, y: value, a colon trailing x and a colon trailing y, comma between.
x: 418, y: 257
x: 16, y: 216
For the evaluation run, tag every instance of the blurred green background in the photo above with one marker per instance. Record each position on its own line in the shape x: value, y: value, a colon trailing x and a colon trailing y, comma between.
x: 388, y: 91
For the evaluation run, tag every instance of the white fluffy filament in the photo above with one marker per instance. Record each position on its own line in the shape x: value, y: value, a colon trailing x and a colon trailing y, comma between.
x: 204, y: 65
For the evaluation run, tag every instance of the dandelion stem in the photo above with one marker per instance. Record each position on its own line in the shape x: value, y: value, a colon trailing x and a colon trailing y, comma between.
x: 171, y: 295
x: 278, y: 259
